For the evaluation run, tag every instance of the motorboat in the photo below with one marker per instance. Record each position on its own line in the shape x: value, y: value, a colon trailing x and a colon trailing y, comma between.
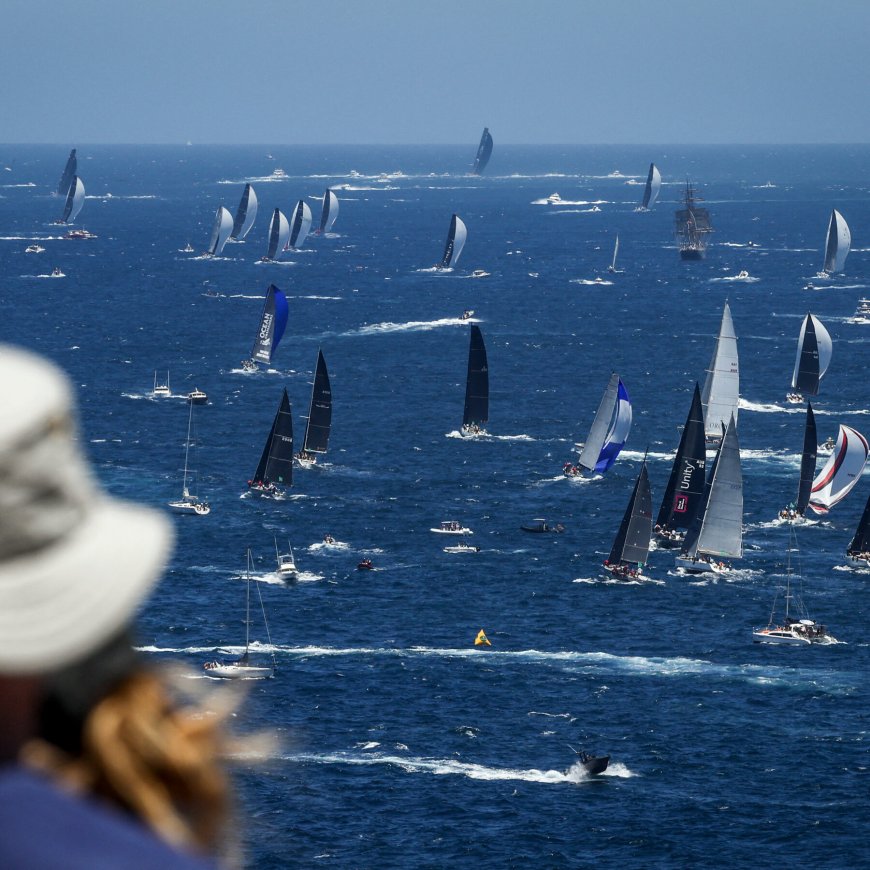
x: 197, y: 397
x: 187, y: 249
x: 594, y: 764
x: 278, y: 174
x: 743, y: 275
x: 461, y: 547
x: 287, y: 569
x: 554, y: 199
x: 79, y: 234
x: 34, y: 249
x: 794, y: 398
x: 365, y: 565
x: 469, y: 312
x: 541, y: 526
x: 161, y: 390
x: 451, y: 527
x: 56, y: 273
x: 480, y: 273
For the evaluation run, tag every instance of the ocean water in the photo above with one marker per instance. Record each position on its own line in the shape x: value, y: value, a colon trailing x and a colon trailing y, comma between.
x: 400, y: 745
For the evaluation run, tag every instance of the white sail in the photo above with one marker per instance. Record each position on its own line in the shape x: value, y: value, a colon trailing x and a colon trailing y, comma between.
x: 246, y: 213
x: 300, y: 224
x: 813, y: 356
x: 841, y: 472
x: 223, y: 226
x: 838, y: 244
x: 722, y: 386
x: 75, y: 199
x: 615, y: 254
x: 456, y: 236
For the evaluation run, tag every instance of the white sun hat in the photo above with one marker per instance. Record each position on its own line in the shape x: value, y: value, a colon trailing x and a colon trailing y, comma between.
x: 75, y: 563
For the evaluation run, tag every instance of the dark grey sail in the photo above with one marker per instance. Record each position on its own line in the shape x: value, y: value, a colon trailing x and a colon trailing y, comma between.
x: 328, y: 212
x: 861, y: 541
x: 476, y: 413
x: 75, y: 199
x: 300, y: 224
x: 653, y: 186
x: 245, y: 214
x: 484, y: 152
x: 279, y: 233
x: 631, y: 545
x: 806, y: 379
x: 456, y: 237
x: 69, y: 171
x: 692, y: 226
x: 320, y: 411
x: 276, y: 463
x: 808, y: 462
x: 685, y: 488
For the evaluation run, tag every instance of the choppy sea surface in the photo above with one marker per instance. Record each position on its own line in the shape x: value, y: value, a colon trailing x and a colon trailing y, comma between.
x: 401, y: 745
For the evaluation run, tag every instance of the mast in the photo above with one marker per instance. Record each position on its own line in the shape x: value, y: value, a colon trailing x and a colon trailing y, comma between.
x: 476, y: 410
x: 633, y: 538
x: 247, y: 606
x: 808, y: 462
x: 319, y: 410
x: 184, y: 491
x: 615, y: 252
x: 692, y: 226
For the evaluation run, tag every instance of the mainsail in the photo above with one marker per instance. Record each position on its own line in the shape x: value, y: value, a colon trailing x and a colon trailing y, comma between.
x: 476, y: 412
x: 456, y: 236
x: 718, y: 526
x: 685, y: 489
x: 838, y: 243
x: 279, y: 234
x: 246, y: 214
x: 841, y: 472
x: 484, y: 152
x: 75, y: 199
x: 615, y: 254
x: 813, y: 356
x: 69, y: 173
x: 609, y: 430
x: 653, y: 186
x: 223, y: 226
x: 273, y: 322
x: 633, y: 538
x: 276, y: 463
x: 692, y: 226
x: 300, y: 224
x: 861, y: 541
x: 329, y: 211
x: 722, y: 387
x: 808, y: 462
x: 319, y: 411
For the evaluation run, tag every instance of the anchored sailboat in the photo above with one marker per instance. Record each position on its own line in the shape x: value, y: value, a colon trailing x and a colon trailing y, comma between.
x: 608, y: 433
x: 692, y: 226
x: 837, y: 244
x: 685, y: 490
x: 813, y: 358
x: 246, y: 214
x: 841, y: 472
x: 220, y: 232
x: 808, y: 470
x: 717, y: 531
x: 721, y: 391
x: 69, y: 172
x: 273, y: 322
x: 484, y: 152
x: 651, y: 191
x: 319, y: 416
x: 188, y: 503
x: 279, y: 235
x: 300, y: 224
x: 75, y: 199
x: 328, y: 211
x: 475, y: 415
x: 456, y: 237
x: 275, y: 467
x: 630, y: 548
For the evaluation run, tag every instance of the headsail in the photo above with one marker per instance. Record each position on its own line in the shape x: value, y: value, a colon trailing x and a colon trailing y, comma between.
x: 808, y: 462
x: 223, y: 226
x: 653, y: 186
x: 246, y: 214
x: 319, y: 411
x: 300, y: 224
x: 813, y: 356
x: 838, y: 243
x: 273, y: 322
x: 329, y: 211
x: 75, y: 199
x: 276, y: 462
x: 484, y: 152
x: 722, y: 387
x: 841, y: 472
x: 69, y: 172
x: 609, y: 429
x: 456, y: 236
x: 476, y: 412
x: 633, y: 538
x: 279, y: 234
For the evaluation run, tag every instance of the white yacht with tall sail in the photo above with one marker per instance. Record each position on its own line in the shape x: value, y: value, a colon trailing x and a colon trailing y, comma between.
x: 813, y: 358
x: 246, y: 214
x: 220, y: 232
x: 189, y: 503
x: 837, y: 243
x: 300, y: 224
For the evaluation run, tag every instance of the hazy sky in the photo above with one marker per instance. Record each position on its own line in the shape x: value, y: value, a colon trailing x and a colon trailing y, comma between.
x: 434, y: 71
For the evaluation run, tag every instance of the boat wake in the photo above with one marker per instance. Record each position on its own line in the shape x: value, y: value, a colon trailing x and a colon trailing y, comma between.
x: 560, y: 202
x: 323, y: 546
x: 487, y: 436
x: 766, y: 408
x: 743, y: 279
x: 591, y: 282
x: 410, y: 326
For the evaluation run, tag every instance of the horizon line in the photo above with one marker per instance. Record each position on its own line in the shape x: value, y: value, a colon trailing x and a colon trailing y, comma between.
x: 191, y: 144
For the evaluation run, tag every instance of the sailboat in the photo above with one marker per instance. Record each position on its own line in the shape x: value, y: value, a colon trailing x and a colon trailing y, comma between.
x: 316, y: 438
x: 608, y: 433
x: 721, y: 391
x: 859, y: 548
x: 837, y: 244
x: 651, y: 191
x: 243, y: 669
x: 69, y: 172
x: 300, y: 224
x: 692, y: 226
x: 276, y: 462
x: 808, y: 470
x: 279, y: 235
x: 612, y: 267
x: 685, y: 489
x: 287, y: 569
x: 328, y: 211
x: 841, y: 472
x: 475, y: 415
x: 484, y: 152
x: 456, y: 237
x: 220, y: 232
x: 792, y: 631
x: 813, y: 358
x: 189, y: 504
x: 246, y: 214
x: 273, y: 322
x: 630, y: 548
x: 75, y: 199
x: 717, y: 531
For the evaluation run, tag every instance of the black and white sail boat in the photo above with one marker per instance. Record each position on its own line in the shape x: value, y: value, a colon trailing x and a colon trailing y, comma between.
x: 328, y: 212
x: 692, y: 226
x: 608, y: 433
x: 75, y: 199
x: 717, y: 531
x: 456, y: 236
x: 813, y: 358
x: 859, y: 549
x: 220, y: 232
x: 484, y: 152
x: 808, y: 470
x: 246, y: 214
x: 630, y: 549
x: 721, y: 392
x: 685, y: 489
x: 279, y: 235
x: 476, y: 412
x: 317, y: 428
x: 189, y: 503
x: 273, y: 322
x: 837, y: 244
x: 69, y: 172
x: 652, y: 188
x: 300, y: 224
x: 275, y: 468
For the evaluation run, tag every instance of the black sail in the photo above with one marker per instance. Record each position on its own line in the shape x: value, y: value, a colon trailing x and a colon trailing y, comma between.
x: 276, y: 463
x: 69, y: 171
x: 861, y: 541
x: 274, y: 235
x: 448, y: 247
x: 647, y: 192
x: 807, y: 378
x: 808, y: 462
x: 320, y: 411
x: 241, y: 212
x: 476, y: 411
x: 633, y: 538
x: 484, y: 152
x: 685, y: 488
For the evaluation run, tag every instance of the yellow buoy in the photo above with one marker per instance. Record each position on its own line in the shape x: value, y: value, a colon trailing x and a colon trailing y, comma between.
x: 482, y: 639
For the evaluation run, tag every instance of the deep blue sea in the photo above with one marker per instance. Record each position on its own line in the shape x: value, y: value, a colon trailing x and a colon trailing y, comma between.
x: 400, y: 744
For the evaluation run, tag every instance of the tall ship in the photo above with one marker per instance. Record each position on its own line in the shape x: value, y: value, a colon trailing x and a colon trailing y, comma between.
x: 692, y: 226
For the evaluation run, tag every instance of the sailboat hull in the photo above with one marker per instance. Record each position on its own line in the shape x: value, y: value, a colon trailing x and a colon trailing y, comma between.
x: 238, y: 671
x: 700, y: 566
x: 692, y: 254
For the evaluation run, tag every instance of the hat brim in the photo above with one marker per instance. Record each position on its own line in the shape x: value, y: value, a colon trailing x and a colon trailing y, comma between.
x: 64, y: 601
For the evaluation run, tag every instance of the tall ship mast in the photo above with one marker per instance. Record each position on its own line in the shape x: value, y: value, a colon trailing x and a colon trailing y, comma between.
x: 692, y: 226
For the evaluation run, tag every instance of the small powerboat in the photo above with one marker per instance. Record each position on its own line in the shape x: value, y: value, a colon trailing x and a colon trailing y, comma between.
x: 794, y: 398
x: 197, y: 397
x: 594, y: 764
x: 34, y: 249
x: 56, y: 273
x: 365, y: 565
x: 451, y: 527
x: 541, y: 526
x: 79, y: 234
x: 462, y: 547
x: 287, y: 569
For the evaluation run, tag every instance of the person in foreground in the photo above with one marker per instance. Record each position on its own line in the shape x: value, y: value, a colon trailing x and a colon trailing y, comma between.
x: 100, y: 767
